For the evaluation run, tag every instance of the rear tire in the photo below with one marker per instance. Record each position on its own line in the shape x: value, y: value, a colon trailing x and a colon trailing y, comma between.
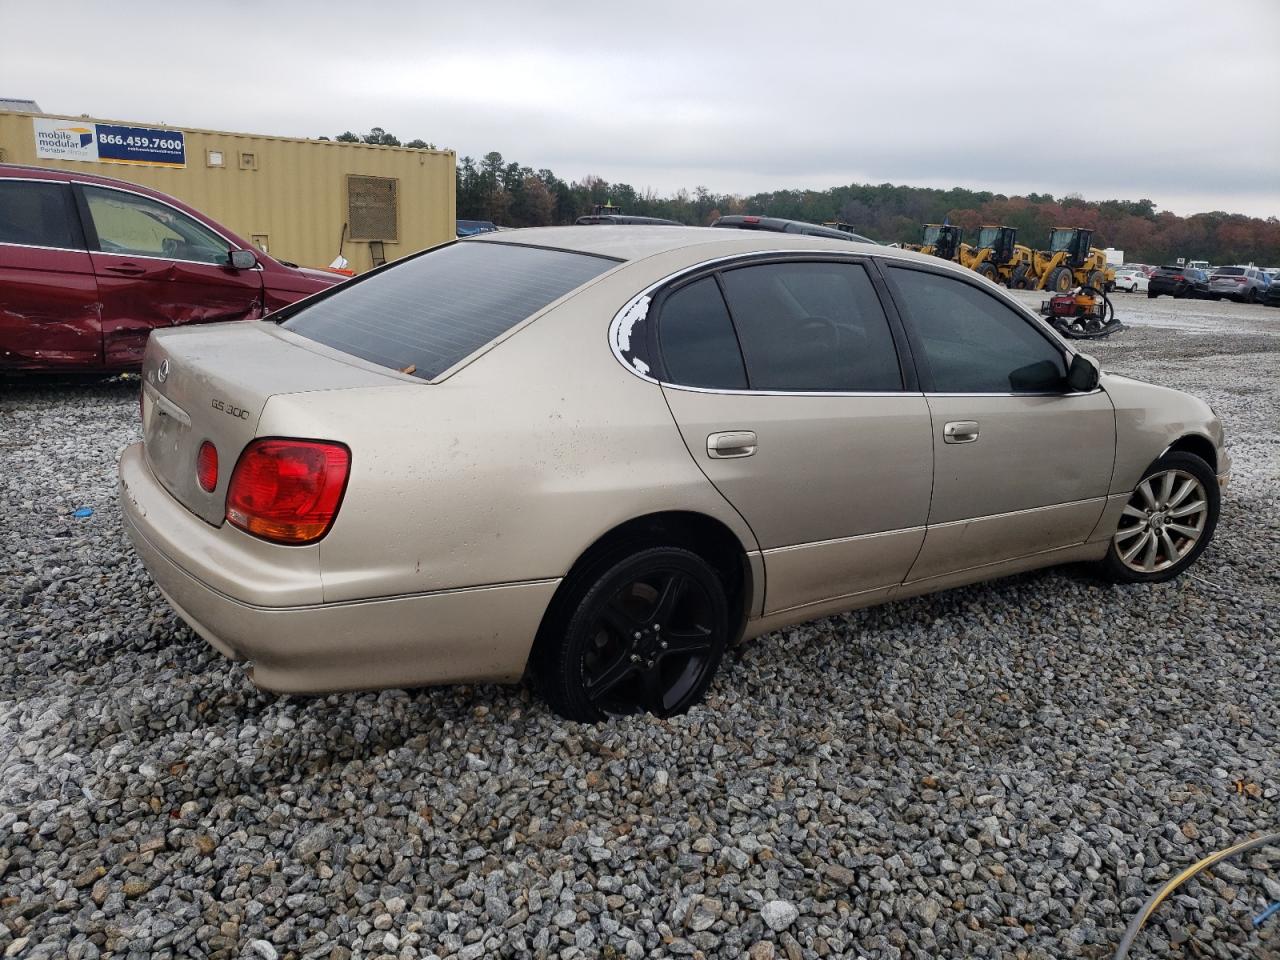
x: 1251, y: 296
x: 641, y: 630
x: 1151, y: 294
x: 988, y: 271
x: 1169, y: 520
x: 1061, y: 280
x: 1018, y: 279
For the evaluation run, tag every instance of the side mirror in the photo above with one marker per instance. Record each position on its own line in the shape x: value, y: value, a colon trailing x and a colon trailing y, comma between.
x: 1083, y: 374
x: 243, y: 259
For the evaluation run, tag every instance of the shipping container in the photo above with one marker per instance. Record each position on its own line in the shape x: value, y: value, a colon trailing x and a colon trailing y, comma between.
x: 303, y: 201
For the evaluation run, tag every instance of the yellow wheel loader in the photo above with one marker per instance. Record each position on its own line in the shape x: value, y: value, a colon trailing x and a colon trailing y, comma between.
x: 940, y: 240
x: 997, y: 255
x: 1070, y: 262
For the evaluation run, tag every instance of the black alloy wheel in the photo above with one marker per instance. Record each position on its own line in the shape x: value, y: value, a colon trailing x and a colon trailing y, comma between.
x: 645, y: 633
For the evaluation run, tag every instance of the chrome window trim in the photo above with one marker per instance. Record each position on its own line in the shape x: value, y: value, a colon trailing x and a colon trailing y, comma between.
x: 634, y: 303
x: 145, y: 256
x: 1010, y: 393
x: 790, y: 393
x: 36, y: 246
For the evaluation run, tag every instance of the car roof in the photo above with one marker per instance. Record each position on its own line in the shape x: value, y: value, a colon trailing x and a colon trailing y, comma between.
x: 638, y: 242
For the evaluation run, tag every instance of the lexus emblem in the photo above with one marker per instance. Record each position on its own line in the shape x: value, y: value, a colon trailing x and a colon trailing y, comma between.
x: 162, y: 374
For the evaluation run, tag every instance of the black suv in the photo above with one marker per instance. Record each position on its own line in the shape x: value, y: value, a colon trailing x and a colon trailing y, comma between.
x: 779, y: 225
x: 1178, y: 282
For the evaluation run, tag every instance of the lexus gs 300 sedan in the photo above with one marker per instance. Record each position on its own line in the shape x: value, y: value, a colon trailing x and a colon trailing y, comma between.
x: 598, y: 455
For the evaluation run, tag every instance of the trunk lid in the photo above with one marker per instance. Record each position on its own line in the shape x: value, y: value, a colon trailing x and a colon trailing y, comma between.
x: 211, y: 382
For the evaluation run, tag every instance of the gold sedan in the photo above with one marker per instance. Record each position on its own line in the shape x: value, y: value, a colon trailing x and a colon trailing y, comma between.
x: 597, y: 455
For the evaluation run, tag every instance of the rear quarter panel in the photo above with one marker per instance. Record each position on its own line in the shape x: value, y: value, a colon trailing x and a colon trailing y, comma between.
x: 508, y: 469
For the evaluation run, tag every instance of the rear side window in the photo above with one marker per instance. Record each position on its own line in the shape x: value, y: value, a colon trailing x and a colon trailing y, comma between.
x: 812, y: 327
x: 699, y: 348
x: 37, y: 214
x: 424, y: 315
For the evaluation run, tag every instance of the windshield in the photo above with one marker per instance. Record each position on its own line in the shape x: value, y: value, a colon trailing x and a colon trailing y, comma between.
x: 931, y: 234
x: 423, y: 315
x: 1060, y: 240
x: 987, y: 236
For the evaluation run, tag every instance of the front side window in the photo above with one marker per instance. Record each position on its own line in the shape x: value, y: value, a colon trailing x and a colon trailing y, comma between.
x: 1060, y: 240
x: 127, y: 223
x: 424, y: 314
x: 37, y: 214
x: 973, y: 343
x: 699, y: 348
x: 812, y: 326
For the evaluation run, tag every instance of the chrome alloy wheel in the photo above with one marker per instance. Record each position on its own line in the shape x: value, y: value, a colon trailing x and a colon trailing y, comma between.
x: 1162, y: 522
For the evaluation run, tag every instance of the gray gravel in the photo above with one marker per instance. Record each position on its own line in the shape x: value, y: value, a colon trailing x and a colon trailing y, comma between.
x: 1006, y: 770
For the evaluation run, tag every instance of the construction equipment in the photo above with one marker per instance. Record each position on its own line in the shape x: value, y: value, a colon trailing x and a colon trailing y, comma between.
x: 998, y: 256
x: 939, y: 239
x: 1085, y: 313
x: 1070, y: 262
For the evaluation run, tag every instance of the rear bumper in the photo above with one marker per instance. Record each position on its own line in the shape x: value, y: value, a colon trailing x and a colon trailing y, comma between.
x: 449, y: 636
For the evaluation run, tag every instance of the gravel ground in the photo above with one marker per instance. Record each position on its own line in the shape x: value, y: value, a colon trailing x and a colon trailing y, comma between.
x: 1005, y: 770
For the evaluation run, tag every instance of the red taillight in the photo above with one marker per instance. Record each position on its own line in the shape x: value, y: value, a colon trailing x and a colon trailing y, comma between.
x: 207, y: 466
x: 1180, y: 277
x: 288, y: 491
x: 750, y: 219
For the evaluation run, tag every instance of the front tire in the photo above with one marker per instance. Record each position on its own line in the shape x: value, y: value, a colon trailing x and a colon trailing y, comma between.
x: 639, y: 631
x: 1167, y: 523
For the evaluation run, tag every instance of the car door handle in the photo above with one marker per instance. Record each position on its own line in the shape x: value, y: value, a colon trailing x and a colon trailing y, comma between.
x: 127, y: 269
x: 731, y: 445
x: 960, y: 431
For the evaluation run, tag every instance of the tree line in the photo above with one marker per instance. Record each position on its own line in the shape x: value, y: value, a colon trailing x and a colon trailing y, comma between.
x: 514, y: 195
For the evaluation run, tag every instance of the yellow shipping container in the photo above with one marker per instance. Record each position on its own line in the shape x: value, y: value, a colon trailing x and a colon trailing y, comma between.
x: 298, y: 200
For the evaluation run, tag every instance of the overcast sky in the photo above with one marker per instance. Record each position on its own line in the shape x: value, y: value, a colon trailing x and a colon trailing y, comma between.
x: 1175, y: 101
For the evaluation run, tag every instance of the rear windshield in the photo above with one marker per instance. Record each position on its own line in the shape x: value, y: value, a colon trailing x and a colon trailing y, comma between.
x: 424, y: 315
x: 1229, y: 272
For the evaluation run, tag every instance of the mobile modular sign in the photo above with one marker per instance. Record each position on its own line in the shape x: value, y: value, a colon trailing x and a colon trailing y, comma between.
x: 108, y: 143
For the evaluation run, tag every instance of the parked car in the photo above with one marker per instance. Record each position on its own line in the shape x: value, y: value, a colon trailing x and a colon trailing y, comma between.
x: 601, y: 456
x: 780, y: 225
x: 625, y: 218
x: 89, y: 266
x: 469, y: 228
x: 1272, y: 297
x: 1131, y: 279
x: 1246, y: 284
x: 1178, y: 282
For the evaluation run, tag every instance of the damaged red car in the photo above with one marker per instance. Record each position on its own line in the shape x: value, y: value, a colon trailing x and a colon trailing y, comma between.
x: 89, y: 266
